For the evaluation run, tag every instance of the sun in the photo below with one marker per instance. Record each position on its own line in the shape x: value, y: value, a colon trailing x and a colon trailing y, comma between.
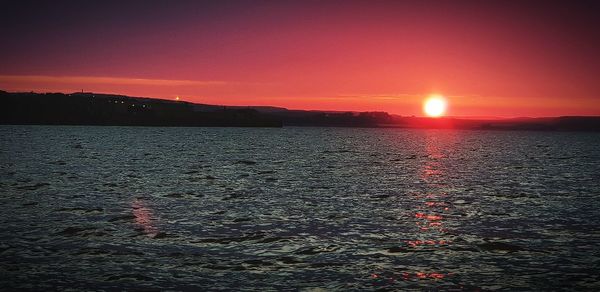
x: 435, y: 106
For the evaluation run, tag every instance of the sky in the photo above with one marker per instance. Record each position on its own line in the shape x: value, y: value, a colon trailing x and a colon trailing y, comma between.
x: 488, y: 58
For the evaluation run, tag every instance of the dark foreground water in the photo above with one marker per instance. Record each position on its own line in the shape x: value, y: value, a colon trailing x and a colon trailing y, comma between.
x: 297, y: 209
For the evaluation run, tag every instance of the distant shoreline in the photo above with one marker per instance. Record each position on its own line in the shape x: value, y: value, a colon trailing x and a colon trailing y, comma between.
x: 28, y: 108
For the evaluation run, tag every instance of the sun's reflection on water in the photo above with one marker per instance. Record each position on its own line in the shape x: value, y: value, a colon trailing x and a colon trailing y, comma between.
x: 144, y: 217
x: 431, y: 214
x: 432, y: 208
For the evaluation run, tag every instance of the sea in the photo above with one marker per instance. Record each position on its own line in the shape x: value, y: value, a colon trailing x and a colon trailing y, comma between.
x: 297, y: 209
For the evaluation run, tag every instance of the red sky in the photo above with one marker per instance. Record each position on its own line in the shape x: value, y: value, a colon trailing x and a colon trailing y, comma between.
x: 506, y: 58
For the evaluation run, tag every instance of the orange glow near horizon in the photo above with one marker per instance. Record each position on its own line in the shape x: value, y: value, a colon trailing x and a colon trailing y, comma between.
x: 301, y: 97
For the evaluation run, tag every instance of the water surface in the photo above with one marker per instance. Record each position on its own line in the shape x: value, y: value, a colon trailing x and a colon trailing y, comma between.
x: 293, y: 208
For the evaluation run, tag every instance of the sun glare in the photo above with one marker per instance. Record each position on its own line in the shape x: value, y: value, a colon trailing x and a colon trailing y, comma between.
x: 435, y: 106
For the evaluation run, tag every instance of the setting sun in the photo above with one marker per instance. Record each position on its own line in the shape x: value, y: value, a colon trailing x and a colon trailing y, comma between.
x: 435, y: 106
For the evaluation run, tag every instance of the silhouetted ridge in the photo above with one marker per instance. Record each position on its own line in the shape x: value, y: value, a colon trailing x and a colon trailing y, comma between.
x: 103, y: 109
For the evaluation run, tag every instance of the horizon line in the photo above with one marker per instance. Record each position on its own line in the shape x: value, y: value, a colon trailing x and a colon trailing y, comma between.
x: 473, y: 117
